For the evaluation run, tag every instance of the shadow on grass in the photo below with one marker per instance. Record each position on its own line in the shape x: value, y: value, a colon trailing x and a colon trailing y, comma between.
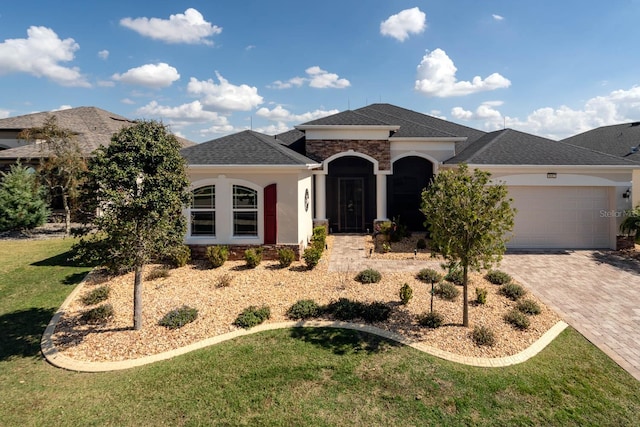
x: 21, y: 331
x: 64, y: 259
x: 343, y: 341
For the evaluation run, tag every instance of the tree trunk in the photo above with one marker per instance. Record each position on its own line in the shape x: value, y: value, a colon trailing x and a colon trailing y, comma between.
x: 465, y: 300
x: 431, y: 297
x: 137, y: 299
x: 67, y: 215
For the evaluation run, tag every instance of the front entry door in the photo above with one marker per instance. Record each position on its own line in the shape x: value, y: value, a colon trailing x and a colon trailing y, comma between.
x: 351, y: 204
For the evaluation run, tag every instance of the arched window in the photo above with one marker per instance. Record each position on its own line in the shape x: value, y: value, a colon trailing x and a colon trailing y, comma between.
x: 245, y: 211
x: 203, y: 211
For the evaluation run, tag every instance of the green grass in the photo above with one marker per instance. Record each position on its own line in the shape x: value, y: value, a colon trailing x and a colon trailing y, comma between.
x: 317, y: 377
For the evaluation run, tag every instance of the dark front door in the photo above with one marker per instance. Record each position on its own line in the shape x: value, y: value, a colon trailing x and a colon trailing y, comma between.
x: 351, y: 204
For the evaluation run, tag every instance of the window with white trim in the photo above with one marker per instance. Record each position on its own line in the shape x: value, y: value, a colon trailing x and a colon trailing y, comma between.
x: 203, y: 211
x: 245, y: 211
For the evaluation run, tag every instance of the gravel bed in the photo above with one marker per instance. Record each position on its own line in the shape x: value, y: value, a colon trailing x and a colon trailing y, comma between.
x: 198, y: 286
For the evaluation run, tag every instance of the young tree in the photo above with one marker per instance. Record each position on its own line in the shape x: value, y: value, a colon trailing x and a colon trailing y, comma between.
x: 468, y: 218
x: 141, y: 186
x: 22, y: 202
x: 62, y: 164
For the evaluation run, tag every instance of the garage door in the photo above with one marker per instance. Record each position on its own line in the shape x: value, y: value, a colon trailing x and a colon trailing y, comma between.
x: 560, y: 217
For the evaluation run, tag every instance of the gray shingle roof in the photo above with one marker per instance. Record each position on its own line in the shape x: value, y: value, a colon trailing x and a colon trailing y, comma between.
x: 617, y: 140
x: 348, y: 118
x: 93, y: 127
x: 511, y: 147
x: 244, y: 148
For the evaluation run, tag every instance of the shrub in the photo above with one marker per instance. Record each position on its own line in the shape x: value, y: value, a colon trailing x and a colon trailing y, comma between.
x: 344, y: 309
x: 178, y: 256
x: 253, y: 257
x: 96, y: 296
x: 446, y: 290
x: 375, y: 312
x: 481, y: 295
x: 286, y: 257
x: 512, y: 291
x: 158, y: 273
x: 455, y: 276
x: 368, y: 276
x: 528, y: 306
x: 304, y: 309
x: 22, y: 200
x: 517, y: 319
x: 99, y: 314
x: 406, y: 293
x: 224, y: 281
x: 482, y: 335
x: 312, y: 256
x: 429, y: 275
x: 498, y: 277
x: 386, y: 247
x: 179, y: 317
x: 431, y: 319
x: 217, y: 255
x: 421, y: 244
x: 252, y: 316
x: 320, y: 234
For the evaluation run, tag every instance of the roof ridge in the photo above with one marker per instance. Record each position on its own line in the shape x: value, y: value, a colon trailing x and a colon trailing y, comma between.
x: 499, y: 134
x: 408, y: 120
x: 272, y: 142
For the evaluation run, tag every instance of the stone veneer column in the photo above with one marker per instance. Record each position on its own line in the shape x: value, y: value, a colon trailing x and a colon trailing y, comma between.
x: 381, y: 197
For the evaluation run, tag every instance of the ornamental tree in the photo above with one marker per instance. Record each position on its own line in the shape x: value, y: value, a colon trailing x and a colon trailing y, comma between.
x: 468, y: 218
x: 22, y: 201
x: 141, y: 186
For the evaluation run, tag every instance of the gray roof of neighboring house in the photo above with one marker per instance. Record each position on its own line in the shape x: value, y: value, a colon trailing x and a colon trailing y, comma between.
x: 244, y: 148
x: 93, y: 127
x: 511, y: 147
x: 621, y: 140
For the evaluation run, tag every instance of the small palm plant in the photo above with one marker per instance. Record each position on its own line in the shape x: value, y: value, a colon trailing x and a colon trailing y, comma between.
x: 630, y: 225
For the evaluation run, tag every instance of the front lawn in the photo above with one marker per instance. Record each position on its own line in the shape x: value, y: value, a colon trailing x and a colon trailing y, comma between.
x: 287, y: 377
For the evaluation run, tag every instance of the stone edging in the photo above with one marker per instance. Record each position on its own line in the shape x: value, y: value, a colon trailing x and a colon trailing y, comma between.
x: 53, y: 356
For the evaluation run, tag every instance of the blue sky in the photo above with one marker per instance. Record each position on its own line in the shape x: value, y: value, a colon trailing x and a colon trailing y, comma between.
x: 210, y: 68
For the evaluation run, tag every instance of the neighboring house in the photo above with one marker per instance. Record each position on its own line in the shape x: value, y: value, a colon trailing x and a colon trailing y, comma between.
x: 355, y: 168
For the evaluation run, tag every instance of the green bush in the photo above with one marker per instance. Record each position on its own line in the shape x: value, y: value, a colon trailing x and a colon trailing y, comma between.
x: 498, y: 277
x: 253, y: 257
x: 224, y: 281
x: 406, y: 293
x: 431, y: 319
x: 345, y: 309
x: 375, y: 312
x: 304, y: 309
x: 481, y: 295
x: 217, y: 255
x: 369, y: 276
x: 528, y: 306
x: 482, y: 335
x: 99, y: 314
x: 447, y: 291
x: 319, y: 237
x: 178, y: 256
x: 96, y: 296
x: 311, y: 256
x: 429, y: 275
x: 517, y: 319
x: 252, y: 316
x: 22, y: 201
x: 158, y: 273
x: 421, y: 244
x: 512, y: 291
x: 286, y: 256
x: 455, y: 276
x: 179, y: 317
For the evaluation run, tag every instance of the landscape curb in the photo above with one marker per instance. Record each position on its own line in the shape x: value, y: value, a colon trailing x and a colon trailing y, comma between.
x: 54, y: 357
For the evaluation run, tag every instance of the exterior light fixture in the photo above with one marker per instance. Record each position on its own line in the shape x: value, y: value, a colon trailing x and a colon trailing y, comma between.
x: 626, y: 194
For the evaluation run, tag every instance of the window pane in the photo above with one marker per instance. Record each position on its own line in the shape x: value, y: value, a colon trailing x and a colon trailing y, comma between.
x: 244, y: 198
x: 203, y: 223
x: 204, y: 197
x: 245, y: 223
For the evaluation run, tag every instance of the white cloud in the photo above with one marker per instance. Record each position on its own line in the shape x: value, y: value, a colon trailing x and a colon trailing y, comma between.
x: 619, y: 106
x: 150, y: 75
x: 40, y: 55
x: 436, y: 76
x: 63, y: 107
x: 316, y: 78
x: 127, y: 101
x: 183, y: 114
x: 103, y: 54
x: 106, y: 83
x: 399, y: 26
x: 188, y: 27
x: 224, y: 96
x: 281, y: 114
x: 4, y: 114
x: 279, y: 127
x: 498, y: 17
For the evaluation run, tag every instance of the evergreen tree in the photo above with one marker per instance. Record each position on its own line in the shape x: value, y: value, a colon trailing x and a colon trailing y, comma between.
x: 22, y: 201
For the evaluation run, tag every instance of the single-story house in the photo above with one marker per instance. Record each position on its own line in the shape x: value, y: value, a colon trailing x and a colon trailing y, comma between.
x: 358, y: 167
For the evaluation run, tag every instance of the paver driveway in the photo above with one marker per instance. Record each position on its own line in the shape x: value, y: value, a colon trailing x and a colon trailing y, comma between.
x: 596, y: 292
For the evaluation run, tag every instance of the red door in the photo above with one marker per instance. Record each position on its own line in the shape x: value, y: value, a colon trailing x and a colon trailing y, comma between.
x: 270, y: 214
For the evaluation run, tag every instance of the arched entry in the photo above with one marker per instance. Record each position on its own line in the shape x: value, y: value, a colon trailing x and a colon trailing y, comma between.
x: 351, y: 195
x: 410, y: 176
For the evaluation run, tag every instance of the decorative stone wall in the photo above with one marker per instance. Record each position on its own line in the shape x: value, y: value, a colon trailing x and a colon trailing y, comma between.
x: 319, y: 150
x: 236, y: 252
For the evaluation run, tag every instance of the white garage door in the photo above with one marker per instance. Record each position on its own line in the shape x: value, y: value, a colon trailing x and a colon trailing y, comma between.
x: 561, y: 217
